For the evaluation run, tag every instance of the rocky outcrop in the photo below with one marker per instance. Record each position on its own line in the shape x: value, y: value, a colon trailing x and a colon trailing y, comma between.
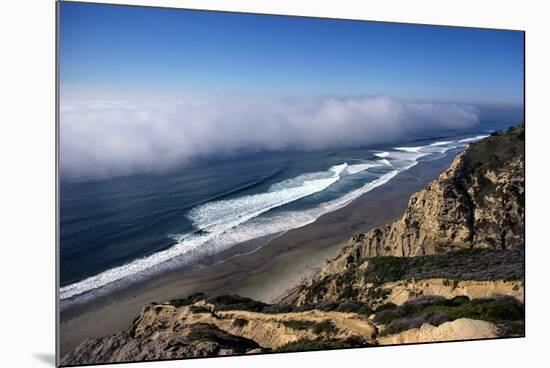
x: 476, y: 273
x: 477, y: 203
x: 403, y: 291
x: 462, y: 236
x: 199, y: 328
x: 460, y: 329
x: 199, y: 340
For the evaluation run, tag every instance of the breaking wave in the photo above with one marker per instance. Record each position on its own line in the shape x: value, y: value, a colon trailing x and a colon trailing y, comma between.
x: 223, y: 223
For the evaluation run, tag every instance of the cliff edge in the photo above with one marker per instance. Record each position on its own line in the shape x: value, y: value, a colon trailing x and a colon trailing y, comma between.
x: 477, y: 203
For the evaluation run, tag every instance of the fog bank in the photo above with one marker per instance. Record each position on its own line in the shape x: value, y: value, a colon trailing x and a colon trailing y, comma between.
x: 118, y: 137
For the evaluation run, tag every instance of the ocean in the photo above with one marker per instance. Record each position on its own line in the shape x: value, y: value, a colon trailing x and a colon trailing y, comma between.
x: 115, y: 231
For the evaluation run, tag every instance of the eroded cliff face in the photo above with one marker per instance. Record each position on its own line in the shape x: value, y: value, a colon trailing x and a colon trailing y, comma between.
x: 229, y: 325
x: 160, y: 344
x: 199, y: 327
x: 460, y: 329
x: 477, y: 203
x: 475, y: 273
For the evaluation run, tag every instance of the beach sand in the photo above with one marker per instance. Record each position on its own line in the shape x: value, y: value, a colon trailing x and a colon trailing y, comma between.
x: 263, y: 274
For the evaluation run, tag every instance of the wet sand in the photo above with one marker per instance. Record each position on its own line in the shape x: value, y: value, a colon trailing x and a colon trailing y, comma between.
x: 263, y: 274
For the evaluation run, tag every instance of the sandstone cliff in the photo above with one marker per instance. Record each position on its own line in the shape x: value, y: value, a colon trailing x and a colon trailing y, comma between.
x: 223, y: 325
x: 201, y: 326
x: 460, y: 329
x: 477, y: 203
x: 475, y: 273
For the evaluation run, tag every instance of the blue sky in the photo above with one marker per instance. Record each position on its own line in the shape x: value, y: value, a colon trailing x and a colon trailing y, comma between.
x: 131, y: 48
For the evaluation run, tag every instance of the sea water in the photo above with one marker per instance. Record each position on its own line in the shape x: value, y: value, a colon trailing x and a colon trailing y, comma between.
x: 115, y: 231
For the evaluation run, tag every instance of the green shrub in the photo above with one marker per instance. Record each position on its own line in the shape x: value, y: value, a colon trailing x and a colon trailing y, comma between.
x: 436, y: 310
x: 348, y: 292
x: 453, y: 267
x: 513, y: 328
x: 199, y: 309
x: 328, y: 306
x: 187, y: 301
x: 506, y: 309
x: 298, y: 325
x: 321, y: 344
x: 459, y: 300
x: 376, y: 293
x: 240, y: 322
x: 354, y: 307
x: 236, y: 302
x: 326, y: 327
x: 387, y: 306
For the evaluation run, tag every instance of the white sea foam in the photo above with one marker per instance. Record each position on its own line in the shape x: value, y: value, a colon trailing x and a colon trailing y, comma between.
x: 213, y: 219
x: 436, y: 147
x: 222, y: 214
x: 470, y: 140
x: 225, y: 223
x: 357, y: 168
x: 289, y: 220
x: 442, y: 143
x: 385, y: 162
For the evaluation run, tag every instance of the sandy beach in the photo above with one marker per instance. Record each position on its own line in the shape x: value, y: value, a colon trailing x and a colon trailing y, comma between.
x: 263, y: 274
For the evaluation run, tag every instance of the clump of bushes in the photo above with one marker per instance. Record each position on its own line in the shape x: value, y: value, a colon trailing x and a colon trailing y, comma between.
x: 466, y: 264
x: 493, y: 152
x: 240, y: 322
x: 378, y: 293
x: 298, y: 325
x: 514, y: 328
x: 407, y: 323
x: 437, y: 310
x: 354, y: 307
x: 385, y: 269
x: 325, y: 327
x: 328, y: 306
x: 199, y: 309
x: 195, y: 297
x: 322, y: 344
x: 236, y: 302
x: 386, y: 306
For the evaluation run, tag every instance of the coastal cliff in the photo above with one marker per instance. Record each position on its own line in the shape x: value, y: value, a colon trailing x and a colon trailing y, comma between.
x: 450, y: 268
x: 466, y: 225
x: 477, y: 203
x: 201, y: 326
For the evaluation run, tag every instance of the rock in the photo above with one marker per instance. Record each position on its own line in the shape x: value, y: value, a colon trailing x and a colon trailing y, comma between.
x: 167, y: 331
x: 476, y: 273
x: 401, y: 293
x: 460, y: 329
x: 202, y: 340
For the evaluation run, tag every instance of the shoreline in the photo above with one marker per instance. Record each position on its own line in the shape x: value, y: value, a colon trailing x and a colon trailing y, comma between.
x: 263, y: 274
